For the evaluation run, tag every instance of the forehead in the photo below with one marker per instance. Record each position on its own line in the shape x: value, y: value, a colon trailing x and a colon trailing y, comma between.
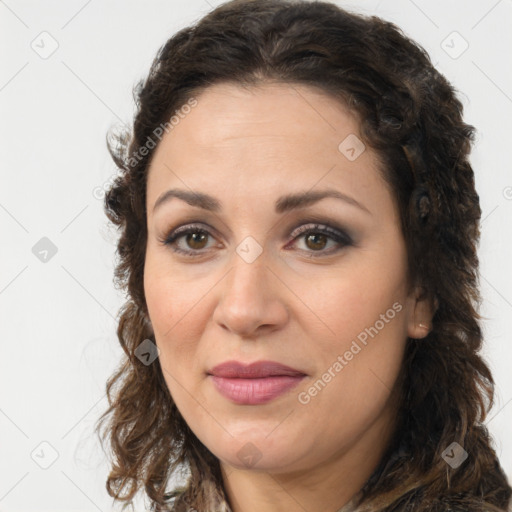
x: 225, y: 109
x: 258, y: 139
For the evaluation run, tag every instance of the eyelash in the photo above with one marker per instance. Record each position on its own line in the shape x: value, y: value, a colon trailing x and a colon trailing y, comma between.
x: 334, y: 234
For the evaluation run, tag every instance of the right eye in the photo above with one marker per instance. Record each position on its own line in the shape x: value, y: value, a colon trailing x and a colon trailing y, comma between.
x: 193, y: 235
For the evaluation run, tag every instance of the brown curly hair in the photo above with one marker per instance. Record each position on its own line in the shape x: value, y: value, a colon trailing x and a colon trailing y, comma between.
x: 410, y: 114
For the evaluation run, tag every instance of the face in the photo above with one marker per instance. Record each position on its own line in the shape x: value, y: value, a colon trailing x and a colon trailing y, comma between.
x: 251, y: 275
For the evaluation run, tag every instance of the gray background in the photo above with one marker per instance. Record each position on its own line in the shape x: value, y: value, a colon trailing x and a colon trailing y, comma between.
x: 58, y: 316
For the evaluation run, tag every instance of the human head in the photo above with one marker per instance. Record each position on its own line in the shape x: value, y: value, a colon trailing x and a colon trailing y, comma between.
x: 408, y: 115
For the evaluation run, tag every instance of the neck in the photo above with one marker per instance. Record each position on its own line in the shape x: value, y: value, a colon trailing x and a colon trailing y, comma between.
x: 326, y: 487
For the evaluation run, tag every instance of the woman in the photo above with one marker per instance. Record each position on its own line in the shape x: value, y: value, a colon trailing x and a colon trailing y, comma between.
x: 299, y: 231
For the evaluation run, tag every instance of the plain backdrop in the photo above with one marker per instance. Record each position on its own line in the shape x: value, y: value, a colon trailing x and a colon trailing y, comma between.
x: 66, y: 77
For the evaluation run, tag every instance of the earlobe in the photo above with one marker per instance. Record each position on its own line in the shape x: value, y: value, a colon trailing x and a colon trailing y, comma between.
x: 421, y: 330
x: 420, y: 322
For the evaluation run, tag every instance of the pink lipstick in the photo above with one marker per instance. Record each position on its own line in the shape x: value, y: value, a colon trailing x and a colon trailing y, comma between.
x: 256, y: 383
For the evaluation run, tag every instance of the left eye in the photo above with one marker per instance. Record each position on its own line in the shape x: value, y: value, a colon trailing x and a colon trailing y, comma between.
x: 315, y: 237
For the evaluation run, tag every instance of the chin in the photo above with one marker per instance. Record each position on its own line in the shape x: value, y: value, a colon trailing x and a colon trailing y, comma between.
x: 257, y: 450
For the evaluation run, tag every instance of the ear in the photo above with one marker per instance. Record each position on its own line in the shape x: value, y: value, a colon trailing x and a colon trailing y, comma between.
x: 421, y: 313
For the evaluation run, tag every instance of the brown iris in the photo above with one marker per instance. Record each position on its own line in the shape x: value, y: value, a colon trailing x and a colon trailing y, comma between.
x: 316, y: 243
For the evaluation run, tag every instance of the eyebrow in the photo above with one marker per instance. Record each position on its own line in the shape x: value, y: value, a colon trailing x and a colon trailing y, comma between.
x: 283, y: 204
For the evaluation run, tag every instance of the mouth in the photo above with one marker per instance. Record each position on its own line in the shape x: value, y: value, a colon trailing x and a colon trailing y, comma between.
x: 254, y: 384
x: 256, y: 370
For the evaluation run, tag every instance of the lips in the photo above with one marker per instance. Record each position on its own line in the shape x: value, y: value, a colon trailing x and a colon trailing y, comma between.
x: 257, y: 370
x: 256, y: 383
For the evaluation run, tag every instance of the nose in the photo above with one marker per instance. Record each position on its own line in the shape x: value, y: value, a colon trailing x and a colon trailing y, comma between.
x: 252, y: 300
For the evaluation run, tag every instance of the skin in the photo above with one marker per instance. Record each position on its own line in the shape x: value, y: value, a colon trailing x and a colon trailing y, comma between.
x: 298, y: 303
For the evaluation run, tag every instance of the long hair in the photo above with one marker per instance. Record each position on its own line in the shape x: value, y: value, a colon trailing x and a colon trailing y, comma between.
x: 411, y: 116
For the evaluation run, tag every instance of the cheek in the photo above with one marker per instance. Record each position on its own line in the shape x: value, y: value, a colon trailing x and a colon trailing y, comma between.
x: 174, y: 307
x: 174, y: 312
x: 356, y: 370
x: 369, y: 296
x: 168, y: 296
x: 365, y: 313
